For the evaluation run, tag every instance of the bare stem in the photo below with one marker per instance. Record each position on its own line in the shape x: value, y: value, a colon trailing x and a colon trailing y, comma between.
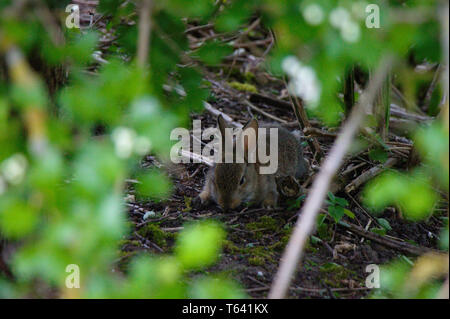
x: 144, y: 32
x: 306, y: 221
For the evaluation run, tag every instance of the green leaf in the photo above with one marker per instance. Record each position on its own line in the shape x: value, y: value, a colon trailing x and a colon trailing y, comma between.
x: 384, y: 223
x: 199, y: 244
x: 215, y: 288
x: 341, y: 201
x: 17, y: 218
x: 378, y: 155
x: 233, y: 16
x: 331, y: 196
x: 212, y: 53
x: 320, y: 219
x: 379, y: 231
x: 412, y: 193
x: 349, y: 213
x: 154, y: 184
x: 336, y: 212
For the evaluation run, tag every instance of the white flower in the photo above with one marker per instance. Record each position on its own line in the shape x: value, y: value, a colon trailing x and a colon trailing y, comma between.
x: 291, y: 65
x: 340, y: 19
x: 338, y: 16
x: 303, y: 81
x: 146, y: 106
x: 350, y: 31
x: 13, y: 168
x: 313, y: 14
x: 239, y: 52
x: 123, y: 138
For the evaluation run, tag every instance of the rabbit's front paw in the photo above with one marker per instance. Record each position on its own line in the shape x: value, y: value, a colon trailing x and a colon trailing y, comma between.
x: 201, y: 200
x: 196, y: 202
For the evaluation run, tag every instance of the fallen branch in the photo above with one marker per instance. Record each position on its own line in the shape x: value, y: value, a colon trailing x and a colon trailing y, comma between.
x: 198, y: 157
x: 306, y: 221
x: 429, y: 94
x: 400, y: 112
x: 273, y: 117
x: 369, y: 174
x: 256, y: 97
x: 318, y: 132
x: 398, y: 245
x: 216, y: 113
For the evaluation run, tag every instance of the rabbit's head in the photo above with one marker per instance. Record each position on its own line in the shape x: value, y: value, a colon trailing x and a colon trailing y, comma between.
x: 235, y: 183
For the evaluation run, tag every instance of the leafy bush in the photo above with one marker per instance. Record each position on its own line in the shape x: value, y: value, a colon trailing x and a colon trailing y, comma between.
x: 61, y: 188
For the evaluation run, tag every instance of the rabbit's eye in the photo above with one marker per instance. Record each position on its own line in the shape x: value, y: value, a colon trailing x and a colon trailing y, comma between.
x: 242, y: 180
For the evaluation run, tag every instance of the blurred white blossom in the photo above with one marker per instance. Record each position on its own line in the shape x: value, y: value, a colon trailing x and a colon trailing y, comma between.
x: 146, y: 106
x: 238, y: 52
x: 313, y: 14
x: 350, y: 31
x: 341, y: 19
x: 303, y: 80
x: 13, y: 168
x: 123, y: 138
x: 127, y: 141
x: 338, y: 16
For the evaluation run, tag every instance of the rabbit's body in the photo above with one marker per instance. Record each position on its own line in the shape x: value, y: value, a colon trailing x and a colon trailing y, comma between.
x: 230, y: 184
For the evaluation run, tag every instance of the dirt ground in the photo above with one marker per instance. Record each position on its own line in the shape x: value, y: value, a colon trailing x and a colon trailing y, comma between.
x: 334, y: 265
x: 332, y: 268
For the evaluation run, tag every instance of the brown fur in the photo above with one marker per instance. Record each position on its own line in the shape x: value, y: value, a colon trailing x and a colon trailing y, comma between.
x: 231, y: 184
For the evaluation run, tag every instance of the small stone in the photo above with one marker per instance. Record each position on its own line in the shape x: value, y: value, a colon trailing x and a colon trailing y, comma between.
x: 129, y: 198
x: 149, y: 214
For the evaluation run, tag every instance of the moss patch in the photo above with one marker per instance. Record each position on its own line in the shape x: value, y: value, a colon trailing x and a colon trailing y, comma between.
x: 128, y: 242
x: 243, y: 87
x: 266, y: 223
x: 154, y: 233
x: 230, y: 247
x: 259, y: 256
x: 249, y: 77
x: 335, y: 274
x: 257, y: 261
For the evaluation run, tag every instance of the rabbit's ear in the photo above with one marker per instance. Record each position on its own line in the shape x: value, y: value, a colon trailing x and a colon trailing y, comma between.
x: 250, y: 135
x: 226, y: 135
x: 221, y: 124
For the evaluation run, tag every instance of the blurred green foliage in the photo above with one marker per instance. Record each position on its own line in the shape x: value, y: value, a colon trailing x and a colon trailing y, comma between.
x: 62, y: 189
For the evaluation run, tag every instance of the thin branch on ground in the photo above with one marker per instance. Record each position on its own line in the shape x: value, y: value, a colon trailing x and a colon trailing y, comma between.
x: 383, y: 240
x: 216, y: 113
x: 369, y: 174
x: 273, y: 117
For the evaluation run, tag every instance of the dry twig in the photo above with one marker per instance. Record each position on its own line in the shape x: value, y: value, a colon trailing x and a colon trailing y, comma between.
x: 314, y: 200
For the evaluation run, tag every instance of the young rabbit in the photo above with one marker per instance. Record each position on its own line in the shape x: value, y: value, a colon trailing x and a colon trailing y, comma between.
x: 230, y: 184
